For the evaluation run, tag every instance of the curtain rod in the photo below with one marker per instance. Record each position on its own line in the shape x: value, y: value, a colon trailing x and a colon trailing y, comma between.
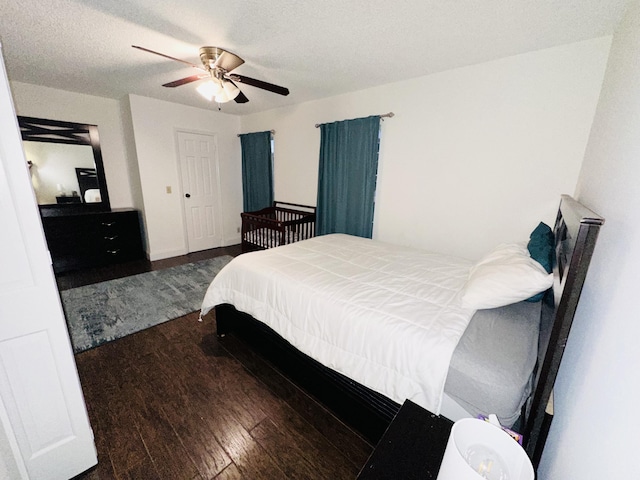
x: 273, y: 132
x: 383, y: 116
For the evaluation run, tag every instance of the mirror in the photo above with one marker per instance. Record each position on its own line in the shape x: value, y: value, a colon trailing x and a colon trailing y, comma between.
x: 66, y: 167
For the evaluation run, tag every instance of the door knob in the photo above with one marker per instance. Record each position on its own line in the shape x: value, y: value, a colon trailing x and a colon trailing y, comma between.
x: 188, y: 195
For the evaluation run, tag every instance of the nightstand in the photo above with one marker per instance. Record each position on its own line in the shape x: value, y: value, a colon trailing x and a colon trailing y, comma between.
x: 411, y: 448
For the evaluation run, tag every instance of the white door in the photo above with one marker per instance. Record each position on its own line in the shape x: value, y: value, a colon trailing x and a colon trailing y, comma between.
x: 198, y: 157
x: 42, y: 409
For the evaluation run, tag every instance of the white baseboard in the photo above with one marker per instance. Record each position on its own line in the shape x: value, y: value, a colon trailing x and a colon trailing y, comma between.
x: 161, y: 255
x: 232, y: 241
x: 165, y: 254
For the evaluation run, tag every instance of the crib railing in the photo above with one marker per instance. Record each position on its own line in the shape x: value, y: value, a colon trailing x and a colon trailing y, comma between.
x: 281, y: 224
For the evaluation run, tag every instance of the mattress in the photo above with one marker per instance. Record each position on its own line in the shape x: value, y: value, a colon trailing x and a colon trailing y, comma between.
x: 268, y: 237
x: 389, y: 318
x: 491, y: 367
x: 92, y: 196
x: 385, y: 316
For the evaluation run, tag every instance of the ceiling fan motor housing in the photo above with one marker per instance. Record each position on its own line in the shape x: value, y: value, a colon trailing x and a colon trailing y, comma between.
x: 217, y: 58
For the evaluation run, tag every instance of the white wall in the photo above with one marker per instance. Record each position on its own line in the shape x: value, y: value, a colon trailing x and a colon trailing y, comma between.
x: 474, y: 156
x: 155, y: 124
x: 593, y: 434
x: 49, y: 103
x: 133, y: 170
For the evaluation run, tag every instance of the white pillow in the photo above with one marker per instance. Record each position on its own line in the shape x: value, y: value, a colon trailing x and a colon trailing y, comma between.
x: 506, y: 275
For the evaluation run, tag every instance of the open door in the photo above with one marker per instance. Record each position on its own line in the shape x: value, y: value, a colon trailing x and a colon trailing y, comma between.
x: 42, y: 410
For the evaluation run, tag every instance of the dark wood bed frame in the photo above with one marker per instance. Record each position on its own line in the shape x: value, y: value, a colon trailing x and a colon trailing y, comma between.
x: 576, y: 230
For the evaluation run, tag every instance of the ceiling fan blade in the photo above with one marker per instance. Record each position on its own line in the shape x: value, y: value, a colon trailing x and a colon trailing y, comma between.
x: 229, y: 61
x: 241, y: 98
x: 183, y: 81
x: 199, y: 67
x: 259, y: 84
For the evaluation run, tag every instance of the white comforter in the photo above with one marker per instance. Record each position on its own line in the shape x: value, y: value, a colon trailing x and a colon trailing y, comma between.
x: 387, y: 317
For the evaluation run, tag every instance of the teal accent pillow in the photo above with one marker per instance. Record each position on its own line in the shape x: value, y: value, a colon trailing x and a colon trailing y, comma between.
x: 540, y: 248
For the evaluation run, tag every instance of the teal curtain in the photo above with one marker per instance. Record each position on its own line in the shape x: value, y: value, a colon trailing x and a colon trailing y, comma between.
x: 257, y: 171
x: 347, y: 176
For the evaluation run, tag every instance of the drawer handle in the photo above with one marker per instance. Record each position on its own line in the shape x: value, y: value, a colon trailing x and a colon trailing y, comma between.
x: 108, y: 224
x: 114, y: 252
x: 111, y: 238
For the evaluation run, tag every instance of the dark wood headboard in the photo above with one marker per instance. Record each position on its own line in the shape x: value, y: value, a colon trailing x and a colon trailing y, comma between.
x: 87, y: 180
x: 575, y: 231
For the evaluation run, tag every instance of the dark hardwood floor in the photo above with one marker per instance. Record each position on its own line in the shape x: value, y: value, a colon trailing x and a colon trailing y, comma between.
x: 176, y: 402
x: 79, y: 278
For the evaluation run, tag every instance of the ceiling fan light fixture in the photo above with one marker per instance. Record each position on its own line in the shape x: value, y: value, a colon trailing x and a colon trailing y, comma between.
x: 228, y: 93
x: 231, y: 90
x: 209, y: 89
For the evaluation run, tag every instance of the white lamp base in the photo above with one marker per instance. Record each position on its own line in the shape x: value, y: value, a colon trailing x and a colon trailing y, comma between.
x: 478, y: 450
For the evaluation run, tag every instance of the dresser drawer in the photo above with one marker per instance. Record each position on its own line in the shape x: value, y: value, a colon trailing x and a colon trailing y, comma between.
x: 94, y: 239
x: 119, y: 237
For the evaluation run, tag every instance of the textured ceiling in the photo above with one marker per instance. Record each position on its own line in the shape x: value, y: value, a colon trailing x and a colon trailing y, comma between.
x: 315, y: 48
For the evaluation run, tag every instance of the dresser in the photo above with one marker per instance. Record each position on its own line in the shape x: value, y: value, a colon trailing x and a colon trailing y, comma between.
x: 93, y: 239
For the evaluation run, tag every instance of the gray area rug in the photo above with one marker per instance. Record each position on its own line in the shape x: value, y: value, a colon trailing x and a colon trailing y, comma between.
x: 106, y: 311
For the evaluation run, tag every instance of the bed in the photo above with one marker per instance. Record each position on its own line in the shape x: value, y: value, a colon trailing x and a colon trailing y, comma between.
x: 88, y: 183
x: 485, y: 355
x: 281, y: 224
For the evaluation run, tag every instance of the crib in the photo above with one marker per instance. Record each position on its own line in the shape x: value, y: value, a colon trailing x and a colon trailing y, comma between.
x: 281, y: 224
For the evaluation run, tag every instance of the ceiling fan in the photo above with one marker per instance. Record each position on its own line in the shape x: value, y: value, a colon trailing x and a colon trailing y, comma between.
x: 217, y: 65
